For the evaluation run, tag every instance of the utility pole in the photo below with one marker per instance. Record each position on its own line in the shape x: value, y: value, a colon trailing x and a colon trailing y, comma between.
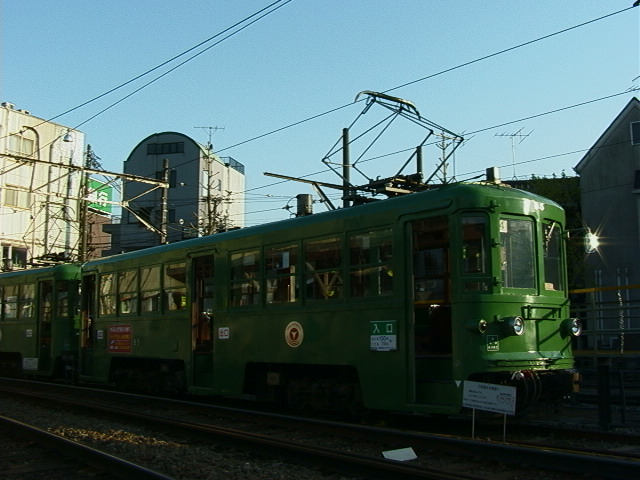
x: 445, y: 142
x: 84, y: 206
x: 85, y: 224
x: 164, y: 201
x: 214, y: 219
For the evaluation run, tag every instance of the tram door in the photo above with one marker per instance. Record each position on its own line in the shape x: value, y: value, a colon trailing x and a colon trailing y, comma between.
x: 202, y: 321
x: 432, y: 308
x: 45, y: 305
x: 88, y: 315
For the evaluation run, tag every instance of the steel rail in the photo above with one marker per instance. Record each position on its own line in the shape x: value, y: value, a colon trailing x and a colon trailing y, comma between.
x: 117, y: 466
x: 545, y: 457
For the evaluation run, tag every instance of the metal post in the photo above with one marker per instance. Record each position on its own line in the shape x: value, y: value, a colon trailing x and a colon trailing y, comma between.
x: 604, y: 401
x: 84, y: 226
x: 623, y: 399
x: 419, y: 161
x: 164, y: 202
x: 346, y: 180
x: 67, y: 210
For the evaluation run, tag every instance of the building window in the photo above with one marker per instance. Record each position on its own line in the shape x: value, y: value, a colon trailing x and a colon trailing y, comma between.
x: 635, y: 133
x: 13, y: 257
x: 233, y: 163
x: 165, y: 148
x: 17, y: 198
x: 173, y: 177
x: 21, y: 145
x: 143, y: 214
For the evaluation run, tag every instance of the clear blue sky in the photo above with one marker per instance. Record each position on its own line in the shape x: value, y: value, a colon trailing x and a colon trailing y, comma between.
x: 310, y: 57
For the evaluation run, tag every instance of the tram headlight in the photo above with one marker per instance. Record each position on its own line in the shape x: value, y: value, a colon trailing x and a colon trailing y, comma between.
x: 573, y: 327
x: 477, y: 326
x: 514, y: 325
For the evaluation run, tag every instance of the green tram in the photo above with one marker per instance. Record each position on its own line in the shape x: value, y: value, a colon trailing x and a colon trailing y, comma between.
x: 40, y: 321
x: 389, y: 305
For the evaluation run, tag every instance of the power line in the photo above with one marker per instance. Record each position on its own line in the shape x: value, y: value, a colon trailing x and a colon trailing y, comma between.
x: 260, y: 14
x: 187, y: 60
x: 510, y: 49
x: 555, y: 111
x: 465, y: 64
x: 166, y: 62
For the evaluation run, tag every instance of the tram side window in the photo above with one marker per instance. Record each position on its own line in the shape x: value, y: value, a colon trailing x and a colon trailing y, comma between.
x: 10, y: 302
x: 128, y: 292
x: 175, y: 277
x: 245, y: 280
x: 281, y: 278
x: 150, y: 289
x: 26, y: 300
x: 370, y: 264
x: 88, y: 290
x: 517, y: 253
x: 553, y: 278
x: 431, y: 259
x: 323, y: 264
x: 46, y: 301
x: 107, y: 294
x: 62, y: 299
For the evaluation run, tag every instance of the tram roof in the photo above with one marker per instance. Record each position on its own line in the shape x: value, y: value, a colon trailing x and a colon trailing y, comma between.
x: 464, y: 195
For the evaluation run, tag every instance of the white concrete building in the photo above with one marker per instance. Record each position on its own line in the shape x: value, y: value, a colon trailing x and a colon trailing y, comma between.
x: 40, y: 182
x: 205, y: 194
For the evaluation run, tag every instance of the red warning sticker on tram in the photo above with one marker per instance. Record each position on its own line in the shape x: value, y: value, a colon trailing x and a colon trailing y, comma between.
x: 120, y: 338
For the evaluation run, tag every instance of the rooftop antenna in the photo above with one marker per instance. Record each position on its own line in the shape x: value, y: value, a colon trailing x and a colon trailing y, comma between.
x: 513, y: 136
x: 210, y: 134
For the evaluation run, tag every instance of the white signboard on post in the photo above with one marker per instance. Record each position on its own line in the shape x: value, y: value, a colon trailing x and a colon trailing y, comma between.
x: 489, y: 397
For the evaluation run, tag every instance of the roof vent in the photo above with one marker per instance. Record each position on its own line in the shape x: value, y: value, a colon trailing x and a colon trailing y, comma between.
x: 8, y: 105
x: 493, y: 175
x: 305, y: 205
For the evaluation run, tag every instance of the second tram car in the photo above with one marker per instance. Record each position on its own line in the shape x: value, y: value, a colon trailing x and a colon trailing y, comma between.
x: 39, y: 321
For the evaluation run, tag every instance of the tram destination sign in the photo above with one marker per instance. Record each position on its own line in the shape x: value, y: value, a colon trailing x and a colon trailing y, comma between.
x: 489, y: 397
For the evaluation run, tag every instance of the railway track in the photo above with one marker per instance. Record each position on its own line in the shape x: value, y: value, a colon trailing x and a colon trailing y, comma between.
x: 278, y: 435
x: 30, y: 452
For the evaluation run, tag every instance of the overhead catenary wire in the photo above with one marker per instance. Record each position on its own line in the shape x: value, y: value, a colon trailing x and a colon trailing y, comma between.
x: 247, y: 21
x: 433, y: 75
